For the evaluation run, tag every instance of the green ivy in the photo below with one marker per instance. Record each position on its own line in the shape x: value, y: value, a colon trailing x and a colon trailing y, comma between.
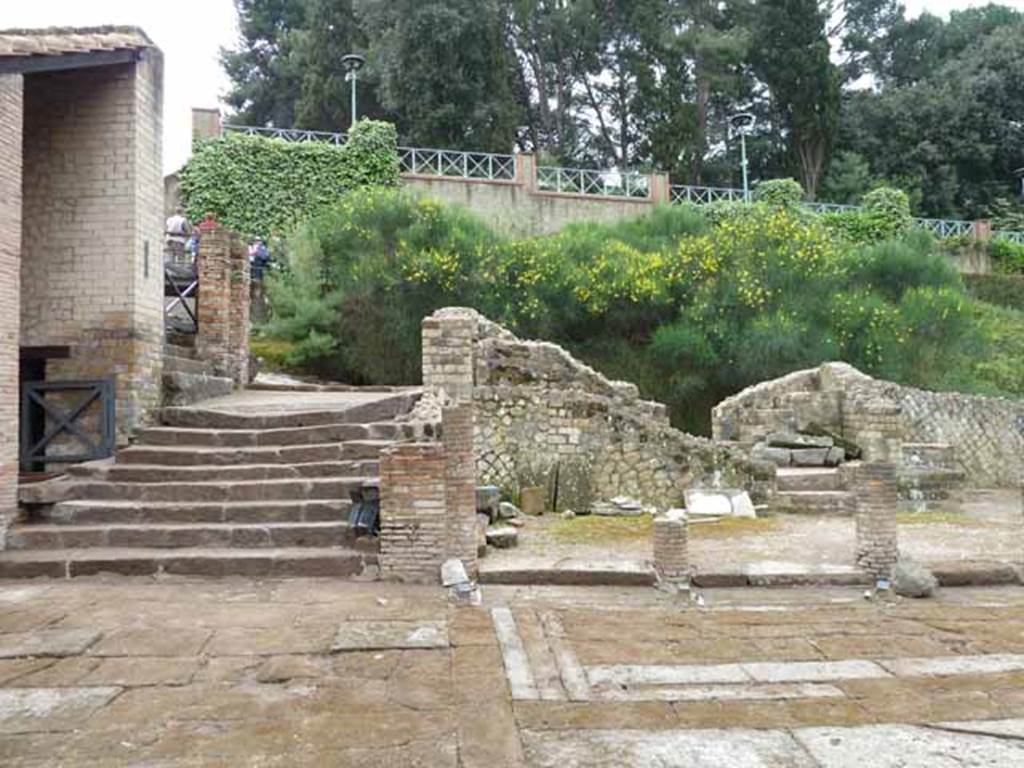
x: 263, y: 186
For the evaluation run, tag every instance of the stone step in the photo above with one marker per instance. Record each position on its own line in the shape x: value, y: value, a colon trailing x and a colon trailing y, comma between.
x: 85, y: 512
x: 262, y: 490
x: 163, y: 536
x: 382, y: 409
x: 263, y: 563
x: 239, y: 438
x: 176, y: 364
x: 824, y: 503
x: 808, y: 479
x: 154, y: 473
x: 184, y: 388
x: 350, y: 450
x: 179, y: 350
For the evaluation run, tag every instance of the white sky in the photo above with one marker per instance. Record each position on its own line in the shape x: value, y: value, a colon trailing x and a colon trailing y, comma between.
x: 191, y: 32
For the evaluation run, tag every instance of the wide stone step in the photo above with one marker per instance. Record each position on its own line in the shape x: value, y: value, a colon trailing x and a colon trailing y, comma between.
x: 384, y: 408
x: 350, y: 450
x: 218, y: 535
x: 264, y: 563
x: 264, y: 490
x: 240, y: 438
x: 824, y: 503
x: 83, y: 512
x: 183, y: 388
x: 808, y: 479
x: 154, y: 473
x: 176, y: 364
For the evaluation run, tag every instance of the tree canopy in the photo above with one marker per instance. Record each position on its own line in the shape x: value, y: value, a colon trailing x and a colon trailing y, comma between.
x: 848, y: 94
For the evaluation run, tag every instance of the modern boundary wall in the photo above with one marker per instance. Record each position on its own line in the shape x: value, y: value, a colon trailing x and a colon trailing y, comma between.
x: 517, y: 206
x: 91, y: 275
x: 544, y: 418
x: 986, y: 433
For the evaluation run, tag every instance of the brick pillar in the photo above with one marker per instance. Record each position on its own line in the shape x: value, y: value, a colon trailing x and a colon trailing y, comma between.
x: 460, y: 484
x: 205, y: 124
x: 11, y: 111
x: 982, y: 229
x: 239, y: 279
x: 877, y: 501
x: 413, y: 523
x: 526, y: 171
x: 220, y: 267
x: 670, y: 555
x: 448, y: 339
x: 661, y: 189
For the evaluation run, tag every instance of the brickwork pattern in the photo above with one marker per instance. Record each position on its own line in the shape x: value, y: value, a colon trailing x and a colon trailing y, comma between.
x: 11, y: 110
x: 90, y: 271
x: 413, y: 523
x: 542, y: 415
x: 460, y: 484
x: 448, y: 341
x: 223, y: 306
x: 986, y: 433
x: 670, y: 547
x: 877, y: 496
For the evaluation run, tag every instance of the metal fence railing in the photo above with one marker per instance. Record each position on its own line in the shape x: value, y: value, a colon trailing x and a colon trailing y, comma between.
x: 829, y: 207
x: 463, y: 165
x: 289, y: 134
x: 1005, y: 234
x: 583, y: 181
x: 685, y: 193
x: 944, y: 228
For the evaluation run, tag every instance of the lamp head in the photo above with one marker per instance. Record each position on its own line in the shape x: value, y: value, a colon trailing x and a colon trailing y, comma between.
x: 353, y: 62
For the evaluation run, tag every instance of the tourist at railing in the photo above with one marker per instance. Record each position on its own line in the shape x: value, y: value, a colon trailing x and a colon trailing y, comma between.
x: 177, y: 232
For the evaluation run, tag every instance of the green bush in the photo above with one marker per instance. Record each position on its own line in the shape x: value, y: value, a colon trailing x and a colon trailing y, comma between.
x: 262, y: 186
x: 1001, y: 290
x: 779, y: 192
x: 1007, y: 255
x: 691, y: 310
x: 885, y: 214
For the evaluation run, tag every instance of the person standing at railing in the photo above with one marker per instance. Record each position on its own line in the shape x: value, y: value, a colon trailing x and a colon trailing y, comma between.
x: 177, y: 231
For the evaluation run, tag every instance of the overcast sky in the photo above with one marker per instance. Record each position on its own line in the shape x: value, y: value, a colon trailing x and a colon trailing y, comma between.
x: 191, y: 32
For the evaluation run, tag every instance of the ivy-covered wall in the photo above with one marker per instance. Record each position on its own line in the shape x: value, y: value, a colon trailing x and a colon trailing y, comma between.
x: 262, y: 186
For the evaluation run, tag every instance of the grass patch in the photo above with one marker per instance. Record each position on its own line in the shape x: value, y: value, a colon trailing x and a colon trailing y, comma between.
x: 595, y: 529
x: 935, y: 518
x: 274, y: 352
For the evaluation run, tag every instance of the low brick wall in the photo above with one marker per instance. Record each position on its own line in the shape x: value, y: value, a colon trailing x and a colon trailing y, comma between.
x: 986, y: 433
x: 545, y: 418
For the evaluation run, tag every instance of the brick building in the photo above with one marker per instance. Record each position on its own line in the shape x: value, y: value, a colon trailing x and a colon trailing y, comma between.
x: 81, y: 196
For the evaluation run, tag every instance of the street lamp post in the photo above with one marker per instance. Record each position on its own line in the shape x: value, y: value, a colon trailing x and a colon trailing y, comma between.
x: 352, y: 63
x: 742, y: 123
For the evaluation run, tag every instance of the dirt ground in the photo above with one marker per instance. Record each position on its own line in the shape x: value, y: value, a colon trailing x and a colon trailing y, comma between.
x: 989, y: 529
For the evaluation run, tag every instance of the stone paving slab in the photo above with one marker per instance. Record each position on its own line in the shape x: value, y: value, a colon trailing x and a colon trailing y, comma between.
x: 50, y: 709
x: 385, y: 635
x: 54, y: 642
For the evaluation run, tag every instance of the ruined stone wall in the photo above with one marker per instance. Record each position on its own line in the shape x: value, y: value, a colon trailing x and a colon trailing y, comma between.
x: 10, y: 257
x: 986, y: 433
x: 544, y: 418
x: 91, y: 267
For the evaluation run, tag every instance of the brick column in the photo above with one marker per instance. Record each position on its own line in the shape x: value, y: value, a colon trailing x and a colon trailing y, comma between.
x: 205, y: 124
x: 448, y: 339
x: 877, y: 501
x: 413, y: 524
x: 223, y: 305
x: 670, y: 556
x: 526, y: 171
x: 661, y: 189
x: 239, y: 279
x: 11, y: 110
x: 460, y: 484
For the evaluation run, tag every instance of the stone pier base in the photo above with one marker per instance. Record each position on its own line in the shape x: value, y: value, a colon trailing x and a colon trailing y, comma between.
x: 670, y: 551
x: 877, y: 502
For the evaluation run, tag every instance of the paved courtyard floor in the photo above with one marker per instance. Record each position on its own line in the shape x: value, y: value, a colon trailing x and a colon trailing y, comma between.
x: 318, y: 672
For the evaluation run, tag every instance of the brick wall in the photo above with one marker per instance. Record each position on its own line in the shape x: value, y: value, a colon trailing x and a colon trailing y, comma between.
x: 986, y: 433
x: 10, y: 255
x: 877, y: 501
x: 223, y: 306
x: 92, y: 231
x: 545, y: 418
x: 460, y: 484
x: 413, y: 524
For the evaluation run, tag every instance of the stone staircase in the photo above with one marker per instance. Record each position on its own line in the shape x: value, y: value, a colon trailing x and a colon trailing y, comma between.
x: 215, y: 491
x: 813, y: 491
x: 186, y: 378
